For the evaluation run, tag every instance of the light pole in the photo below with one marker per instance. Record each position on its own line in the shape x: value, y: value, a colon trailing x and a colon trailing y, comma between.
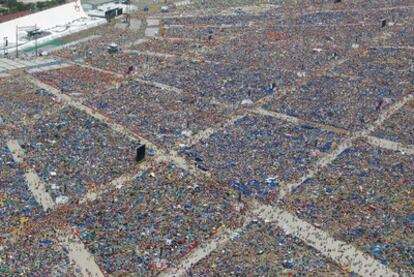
x: 36, y: 38
x: 5, y: 44
x: 17, y: 41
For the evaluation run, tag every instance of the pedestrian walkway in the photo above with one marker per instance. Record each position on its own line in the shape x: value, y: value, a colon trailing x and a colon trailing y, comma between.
x: 390, y: 145
x: 36, y: 186
x: 75, y: 248
x: 77, y: 253
x: 341, y: 252
x: 8, y: 65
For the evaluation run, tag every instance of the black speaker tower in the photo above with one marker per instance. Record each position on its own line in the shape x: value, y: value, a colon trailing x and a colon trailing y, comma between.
x: 140, y: 153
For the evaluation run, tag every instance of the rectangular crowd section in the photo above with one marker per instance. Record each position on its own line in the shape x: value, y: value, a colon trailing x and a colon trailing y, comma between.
x: 77, y: 80
x: 125, y: 63
x: 228, y: 83
x: 73, y: 152
x: 21, y: 102
x: 350, y: 103
x: 259, y: 154
x: 386, y: 67
x: 155, y: 220
x: 172, y: 47
x: 290, y: 47
x: 165, y: 117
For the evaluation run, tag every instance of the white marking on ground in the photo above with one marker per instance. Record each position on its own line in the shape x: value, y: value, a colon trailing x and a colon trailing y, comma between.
x: 345, y: 254
x: 319, y: 164
x: 387, y: 113
x: 206, y: 248
x: 153, y: 22
x: 206, y: 133
x: 80, y: 255
x: 390, y: 145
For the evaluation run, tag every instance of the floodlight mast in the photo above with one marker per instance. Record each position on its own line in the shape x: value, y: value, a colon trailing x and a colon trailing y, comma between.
x: 17, y: 41
x: 36, y: 40
x: 5, y: 44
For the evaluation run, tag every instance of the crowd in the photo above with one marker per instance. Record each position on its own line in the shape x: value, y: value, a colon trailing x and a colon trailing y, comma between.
x: 125, y: 63
x: 154, y: 220
x: 404, y: 36
x: 318, y: 61
x: 203, y: 33
x: 162, y: 116
x: 210, y: 20
x: 77, y: 80
x: 365, y: 198
x: 344, y: 102
x: 219, y: 4
x: 24, y: 106
x: 16, y: 201
x: 23, y: 251
x: 399, y: 127
x: 228, y: 83
x: 168, y: 46
x: 36, y: 251
x: 259, y: 154
x: 383, y: 66
x: 73, y: 152
x: 264, y: 249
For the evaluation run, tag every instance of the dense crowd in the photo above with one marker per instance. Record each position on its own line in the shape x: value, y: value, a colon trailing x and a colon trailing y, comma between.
x: 154, y: 220
x: 259, y: 154
x: 165, y: 117
x: 365, y: 198
x: 16, y: 201
x: 76, y: 80
x: 36, y: 251
x: 125, y: 63
x: 399, y: 126
x: 349, y: 103
x: 74, y: 152
x: 222, y: 82
x: 158, y: 45
x: 328, y: 64
x: 20, y: 102
x: 264, y: 249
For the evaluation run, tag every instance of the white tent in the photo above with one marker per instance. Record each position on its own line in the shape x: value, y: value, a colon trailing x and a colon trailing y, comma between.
x: 59, y: 21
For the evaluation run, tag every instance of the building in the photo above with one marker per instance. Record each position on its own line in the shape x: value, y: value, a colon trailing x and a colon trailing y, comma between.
x: 108, y: 10
x: 52, y: 23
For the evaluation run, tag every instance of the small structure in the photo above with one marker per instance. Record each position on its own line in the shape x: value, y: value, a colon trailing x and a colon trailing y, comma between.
x: 108, y: 11
x: 113, y: 48
x: 140, y: 153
